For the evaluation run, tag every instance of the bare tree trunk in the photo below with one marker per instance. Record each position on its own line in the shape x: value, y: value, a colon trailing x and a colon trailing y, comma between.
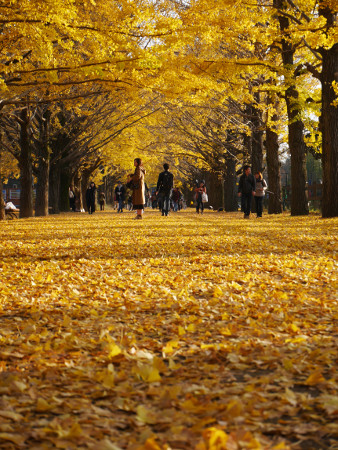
x: 42, y: 188
x: 299, y: 201
x: 2, y: 201
x: 65, y: 182
x: 25, y: 165
x: 329, y: 120
x: 2, y: 209
x: 257, y: 138
x: 84, y: 185
x: 272, y: 160
x: 230, y: 178
x: 77, y: 188
x: 54, y: 188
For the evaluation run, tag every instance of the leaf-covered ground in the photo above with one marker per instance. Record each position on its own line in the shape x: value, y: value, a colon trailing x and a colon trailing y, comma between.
x: 180, y: 332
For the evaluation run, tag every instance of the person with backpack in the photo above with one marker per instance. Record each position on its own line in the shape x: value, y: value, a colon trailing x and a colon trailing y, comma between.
x: 164, y: 186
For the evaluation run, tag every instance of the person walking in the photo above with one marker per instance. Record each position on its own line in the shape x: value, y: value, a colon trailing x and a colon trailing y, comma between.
x: 246, y: 189
x: 71, y: 195
x: 102, y: 200
x: 136, y: 183
x: 91, y: 197
x: 120, y: 193
x: 176, y: 196
x: 261, y: 187
x: 200, y: 190
x: 164, y: 186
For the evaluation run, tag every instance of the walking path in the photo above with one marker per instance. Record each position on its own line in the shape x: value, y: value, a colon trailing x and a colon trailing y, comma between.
x: 171, y: 332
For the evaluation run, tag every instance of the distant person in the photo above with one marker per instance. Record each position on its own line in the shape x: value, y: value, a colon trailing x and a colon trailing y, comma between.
x: 130, y: 202
x: 199, y: 191
x: 176, y: 196
x: 91, y: 197
x: 71, y: 195
x: 120, y: 193
x: 246, y: 189
x: 136, y: 183
x: 102, y: 200
x: 153, y: 200
x: 164, y: 186
x: 261, y: 187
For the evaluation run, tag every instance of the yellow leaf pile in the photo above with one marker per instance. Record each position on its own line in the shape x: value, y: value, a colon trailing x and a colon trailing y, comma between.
x: 181, y: 332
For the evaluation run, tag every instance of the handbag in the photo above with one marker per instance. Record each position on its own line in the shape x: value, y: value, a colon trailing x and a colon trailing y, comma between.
x: 204, y: 197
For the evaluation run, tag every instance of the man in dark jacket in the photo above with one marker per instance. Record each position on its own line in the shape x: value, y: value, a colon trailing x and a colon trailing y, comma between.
x: 164, y: 186
x: 246, y: 188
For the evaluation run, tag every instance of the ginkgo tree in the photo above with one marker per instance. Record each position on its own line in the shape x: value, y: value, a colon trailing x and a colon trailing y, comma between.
x: 182, y: 51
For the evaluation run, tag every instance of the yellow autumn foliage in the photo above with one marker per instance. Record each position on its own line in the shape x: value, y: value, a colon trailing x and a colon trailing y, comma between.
x: 201, y: 332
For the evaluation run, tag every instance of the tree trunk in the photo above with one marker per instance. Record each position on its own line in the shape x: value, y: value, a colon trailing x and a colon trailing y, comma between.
x: 42, y: 188
x: 2, y: 209
x: 25, y: 165
x: 2, y: 201
x: 230, y: 190
x: 329, y: 126
x: 257, y: 138
x: 54, y: 188
x: 297, y: 147
x: 299, y: 201
x: 275, y: 194
x: 65, y: 182
x: 77, y: 188
x: 84, y: 184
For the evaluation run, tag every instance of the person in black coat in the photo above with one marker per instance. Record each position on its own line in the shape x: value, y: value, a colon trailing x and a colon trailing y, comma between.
x: 163, y: 190
x: 91, y: 197
x: 246, y: 189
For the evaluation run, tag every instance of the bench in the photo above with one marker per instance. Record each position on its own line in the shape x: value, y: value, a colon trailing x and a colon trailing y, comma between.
x: 12, y: 213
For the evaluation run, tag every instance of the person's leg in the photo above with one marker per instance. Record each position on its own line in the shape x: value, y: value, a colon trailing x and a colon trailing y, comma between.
x: 259, y: 206
x: 167, y: 204
x: 202, y: 207
x: 246, y: 204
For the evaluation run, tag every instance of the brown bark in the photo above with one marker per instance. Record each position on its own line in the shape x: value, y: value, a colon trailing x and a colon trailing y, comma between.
x: 299, y: 201
x: 25, y: 165
x: 2, y: 202
x: 329, y: 121
x: 257, y: 138
x: 297, y: 147
x: 54, y: 188
x: 77, y: 187
x: 2, y: 209
x: 273, y: 164
x: 42, y: 186
x: 230, y: 190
